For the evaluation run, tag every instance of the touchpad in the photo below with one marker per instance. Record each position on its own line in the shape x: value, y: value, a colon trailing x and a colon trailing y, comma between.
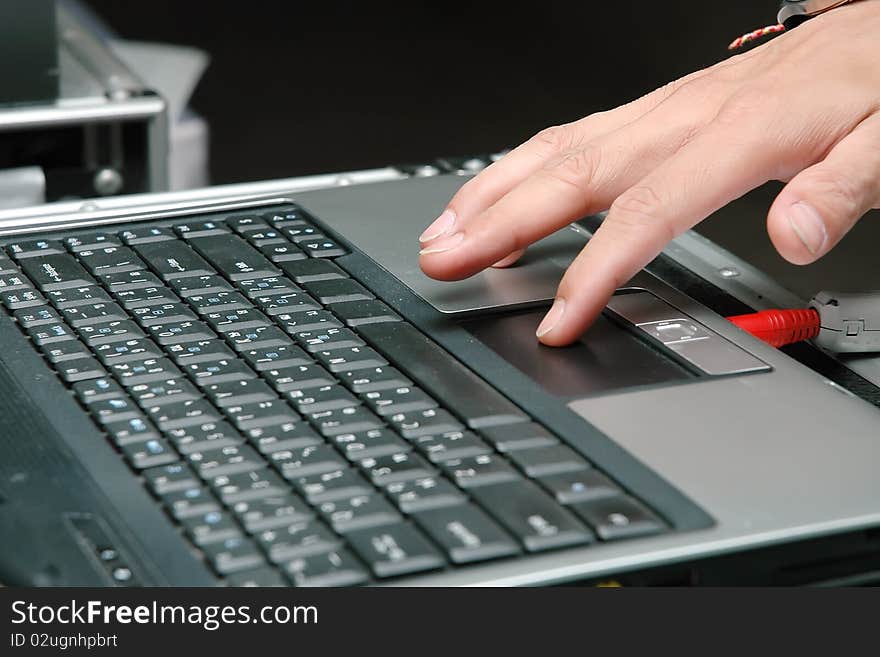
x: 385, y: 220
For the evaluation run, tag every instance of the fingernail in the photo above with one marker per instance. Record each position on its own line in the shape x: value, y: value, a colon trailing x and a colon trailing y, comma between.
x: 443, y: 244
x: 808, y: 226
x: 442, y: 224
x: 551, y: 319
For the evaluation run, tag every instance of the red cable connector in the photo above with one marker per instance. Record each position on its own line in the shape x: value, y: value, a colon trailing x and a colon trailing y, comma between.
x: 780, y: 327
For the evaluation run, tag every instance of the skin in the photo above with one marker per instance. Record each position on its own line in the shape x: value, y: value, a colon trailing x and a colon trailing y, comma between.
x: 803, y: 108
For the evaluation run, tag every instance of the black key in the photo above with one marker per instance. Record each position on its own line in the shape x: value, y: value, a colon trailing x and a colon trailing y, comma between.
x: 147, y: 235
x: 200, y: 229
x: 70, y: 350
x: 330, y: 569
x: 17, y: 299
x: 249, y: 486
x: 183, y: 414
x: 170, y: 478
x: 79, y: 369
x: 235, y: 393
x: 200, y: 351
x: 189, y: 502
x: 93, y: 313
x: 580, y: 486
x: 618, y: 517
x: 287, y: 216
x: 297, y: 539
x: 180, y: 332
x: 265, y: 237
x: 307, y: 461
x: 34, y: 248
x: 271, y: 512
x: 268, y: 285
x: 204, y: 437
x: 359, y: 512
x: 237, y: 320
x: 524, y: 435
x: 298, y: 377
x: 7, y: 266
x: 280, y: 437
x: 91, y: 242
x: 195, y: 285
x: 327, y: 340
x: 280, y: 251
x: 424, y: 423
x: 129, y: 350
x: 358, y: 313
x: 162, y: 314
x: 446, y: 379
x: 312, y: 320
x: 233, y: 256
x: 298, y: 230
x: 378, y: 378
x: 74, y: 296
x: 338, y: 290
x: 286, y: 302
x: 14, y: 282
x: 233, y: 555
x: 218, y: 302
x: 142, y: 455
x: 269, y: 358
x: 211, y: 527
x: 110, y: 260
x: 174, y: 260
x: 30, y: 317
x: 257, y: 577
x: 423, y: 494
x: 51, y: 334
x: 466, y: 533
x: 166, y: 391
x: 330, y: 486
x: 97, y: 390
x: 56, y: 272
x: 395, y: 550
x: 321, y: 246
x: 114, y: 409
x: 246, y: 224
x: 406, y: 399
x: 371, y: 443
x: 110, y: 332
x: 480, y: 471
x: 144, y: 371
x: 400, y: 466
x: 450, y: 445
x: 554, y: 459
x: 532, y: 516
x: 218, y: 371
x: 129, y: 280
x: 135, y: 430
x: 325, y: 398
x: 260, y: 337
x: 305, y: 271
x: 350, y: 359
x: 346, y: 420
x: 145, y: 296
x: 229, y: 460
x: 261, y: 414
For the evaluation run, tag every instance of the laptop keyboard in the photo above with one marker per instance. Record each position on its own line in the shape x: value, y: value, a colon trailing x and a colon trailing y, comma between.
x: 296, y: 428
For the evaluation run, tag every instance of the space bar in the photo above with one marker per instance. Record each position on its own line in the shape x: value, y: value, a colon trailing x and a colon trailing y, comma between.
x: 456, y: 387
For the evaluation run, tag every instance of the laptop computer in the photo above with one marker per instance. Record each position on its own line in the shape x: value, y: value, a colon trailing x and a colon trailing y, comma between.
x: 263, y: 389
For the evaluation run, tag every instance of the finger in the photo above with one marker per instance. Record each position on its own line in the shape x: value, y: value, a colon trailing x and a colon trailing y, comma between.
x: 510, y: 260
x: 822, y: 203
x: 485, y: 189
x: 715, y: 168
x: 583, y: 183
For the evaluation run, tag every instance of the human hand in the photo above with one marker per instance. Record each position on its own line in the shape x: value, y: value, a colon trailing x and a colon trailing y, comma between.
x: 803, y: 108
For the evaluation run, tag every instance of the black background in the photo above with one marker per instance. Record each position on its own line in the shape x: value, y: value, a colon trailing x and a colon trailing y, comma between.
x: 297, y: 88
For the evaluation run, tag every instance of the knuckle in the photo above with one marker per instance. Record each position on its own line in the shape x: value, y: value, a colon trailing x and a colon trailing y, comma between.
x: 577, y: 169
x: 557, y: 138
x: 835, y: 189
x: 638, y: 211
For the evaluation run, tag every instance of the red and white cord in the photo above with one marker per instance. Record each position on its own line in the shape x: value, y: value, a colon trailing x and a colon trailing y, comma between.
x: 738, y: 43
